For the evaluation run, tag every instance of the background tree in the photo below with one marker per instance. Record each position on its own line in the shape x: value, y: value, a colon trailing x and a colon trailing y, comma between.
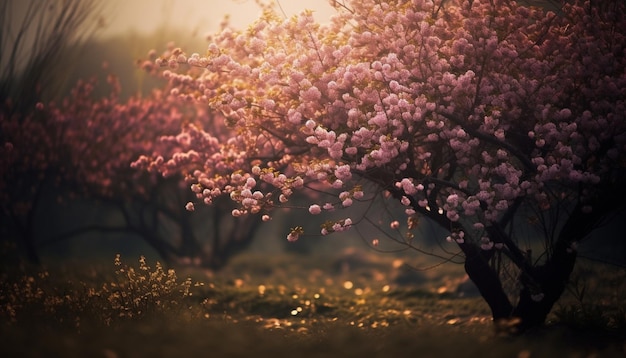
x: 81, y: 151
x: 63, y: 153
x: 487, y: 118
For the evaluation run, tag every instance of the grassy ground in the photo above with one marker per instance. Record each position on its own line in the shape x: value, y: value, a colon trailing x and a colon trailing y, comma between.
x: 353, y: 305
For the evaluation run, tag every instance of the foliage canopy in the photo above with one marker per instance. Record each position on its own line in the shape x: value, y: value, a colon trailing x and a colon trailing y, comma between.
x: 480, y: 116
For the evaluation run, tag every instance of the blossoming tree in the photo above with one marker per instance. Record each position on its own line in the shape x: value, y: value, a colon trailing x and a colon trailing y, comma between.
x: 80, y: 150
x: 482, y: 116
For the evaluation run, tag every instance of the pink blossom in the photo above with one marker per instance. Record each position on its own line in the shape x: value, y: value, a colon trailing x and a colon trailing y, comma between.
x: 311, y: 94
x: 452, y: 215
x: 293, y: 237
x: 488, y: 245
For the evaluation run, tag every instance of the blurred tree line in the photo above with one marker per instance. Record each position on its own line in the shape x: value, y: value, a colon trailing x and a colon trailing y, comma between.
x: 75, y: 110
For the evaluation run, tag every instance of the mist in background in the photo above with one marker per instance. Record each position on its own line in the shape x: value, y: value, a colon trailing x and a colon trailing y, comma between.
x: 198, y: 17
x: 128, y: 30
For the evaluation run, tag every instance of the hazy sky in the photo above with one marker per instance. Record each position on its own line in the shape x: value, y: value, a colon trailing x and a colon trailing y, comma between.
x: 200, y: 16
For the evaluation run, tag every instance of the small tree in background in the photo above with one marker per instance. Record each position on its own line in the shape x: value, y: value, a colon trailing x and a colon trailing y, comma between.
x: 78, y: 149
x: 485, y: 117
x: 81, y: 150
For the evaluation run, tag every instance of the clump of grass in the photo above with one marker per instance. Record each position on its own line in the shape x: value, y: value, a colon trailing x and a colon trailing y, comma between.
x: 19, y: 293
x: 141, y: 291
x: 130, y: 293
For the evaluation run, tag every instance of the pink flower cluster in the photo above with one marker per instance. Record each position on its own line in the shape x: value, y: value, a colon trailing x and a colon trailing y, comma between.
x: 460, y: 112
x: 88, y: 143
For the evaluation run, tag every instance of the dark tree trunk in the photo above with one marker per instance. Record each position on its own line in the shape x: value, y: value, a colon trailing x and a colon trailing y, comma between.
x: 236, y: 240
x: 23, y: 232
x: 549, y: 282
x: 541, y: 288
x: 550, y: 279
x: 487, y: 282
x: 29, y: 249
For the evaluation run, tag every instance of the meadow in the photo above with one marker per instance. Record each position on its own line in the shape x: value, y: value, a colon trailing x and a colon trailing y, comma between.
x: 350, y: 305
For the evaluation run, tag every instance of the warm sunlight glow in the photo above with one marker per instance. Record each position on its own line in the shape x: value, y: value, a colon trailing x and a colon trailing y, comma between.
x: 198, y: 16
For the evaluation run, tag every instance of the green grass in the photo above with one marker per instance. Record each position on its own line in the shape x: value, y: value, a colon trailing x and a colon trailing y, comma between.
x: 284, y: 306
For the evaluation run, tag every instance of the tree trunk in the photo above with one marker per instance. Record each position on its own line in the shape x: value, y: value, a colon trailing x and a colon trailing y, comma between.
x: 487, y: 281
x: 30, y: 250
x: 236, y: 240
x: 24, y: 235
x: 549, y: 282
x: 541, y: 288
x: 546, y: 283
